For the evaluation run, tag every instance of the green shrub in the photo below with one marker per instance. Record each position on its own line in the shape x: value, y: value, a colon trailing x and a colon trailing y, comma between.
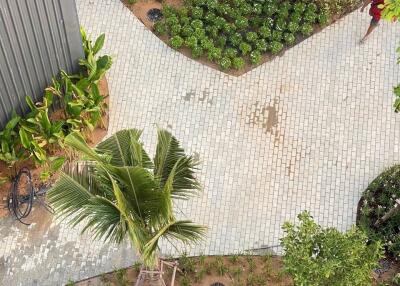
x: 225, y: 63
x: 206, y: 44
x: 238, y: 63
x: 236, y: 39
x: 212, y: 31
x: 322, y: 18
x: 176, y: 42
x: 257, y: 8
x: 159, y: 28
x: 175, y: 30
x: 197, y: 52
x: 377, y: 200
x: 276, y: 36
x: 251, y: 37
x: 280, y: 25
x: 293, y: 27
x: 299, y: 7
x: 209, y: 17
x: 317, y: 256
x: 312, y: 7
x: 269, y: 22
x: 261, y: 45
x: 245, y: 48
x: 211, y: 4
x: 191, y: 42
x: 197, y: 12
x: 283, y: 12
x: 230, y: 53
x: 265, y: 32
x: 310, y: 16
x: 197, y: 24
x: 276, y: 47
x: 306, y: 29
x: 255, y: 57
x: 296, y: 18
x: 241, y: 23
x: 199, y: 33
x: 214, y: 54
x: 245, y: 9
x: 289, y: 38
x: 187, y: 31
x: 219, y: 22
x: 169, y: 11
x: 221, y: 42
x: 172, y: 20
x: 270, y: 8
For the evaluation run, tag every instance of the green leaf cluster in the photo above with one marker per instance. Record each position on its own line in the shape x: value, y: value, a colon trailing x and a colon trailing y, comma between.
x: 324, y: 256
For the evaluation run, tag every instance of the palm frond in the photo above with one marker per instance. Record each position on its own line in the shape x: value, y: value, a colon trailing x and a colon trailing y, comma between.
x: 104, y: 220
x: 184, y: 231
x: 68, y: 198
x: 125, y: 149
x: 137, y: 228
x: 185, y: 183
x: 168, y: 153
x: 137, y: 186
x: 76, y: 141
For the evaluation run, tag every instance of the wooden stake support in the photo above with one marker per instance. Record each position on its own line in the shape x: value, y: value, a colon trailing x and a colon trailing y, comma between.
x: 144, y: 273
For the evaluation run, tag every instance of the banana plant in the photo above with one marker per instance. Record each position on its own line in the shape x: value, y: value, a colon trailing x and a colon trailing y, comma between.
x: 37, y: 132
x: 9, y: 152
x: 96, y: 67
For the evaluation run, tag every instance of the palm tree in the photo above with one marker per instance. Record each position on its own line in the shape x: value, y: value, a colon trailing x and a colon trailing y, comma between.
x: 116, y: 191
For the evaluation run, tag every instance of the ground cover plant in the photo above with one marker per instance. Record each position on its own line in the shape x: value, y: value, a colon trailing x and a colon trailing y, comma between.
x: 377, y: 200
x: 39, y: 135
x: 317, y: 256
x: 232, y: 33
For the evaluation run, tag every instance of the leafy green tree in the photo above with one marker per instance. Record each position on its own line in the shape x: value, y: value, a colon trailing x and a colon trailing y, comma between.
x: 317, y: 256
x: 117, y: 191
x: 396, y: 89
x: 391, y: 10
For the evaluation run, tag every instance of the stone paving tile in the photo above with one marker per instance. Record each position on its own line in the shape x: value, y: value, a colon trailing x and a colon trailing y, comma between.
x: 308, y: 130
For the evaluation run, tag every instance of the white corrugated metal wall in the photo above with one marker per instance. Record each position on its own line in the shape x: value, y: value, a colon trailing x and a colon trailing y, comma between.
x: 38, y: 38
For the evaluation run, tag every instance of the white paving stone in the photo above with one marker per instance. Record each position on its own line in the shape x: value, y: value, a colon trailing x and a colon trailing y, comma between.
x: 308, y: 130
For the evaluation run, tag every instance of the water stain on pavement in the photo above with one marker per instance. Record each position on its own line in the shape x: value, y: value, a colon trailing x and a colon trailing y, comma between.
x: 266, y: 116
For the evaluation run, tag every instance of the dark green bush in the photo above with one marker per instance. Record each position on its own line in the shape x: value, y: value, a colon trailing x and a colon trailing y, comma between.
x: 376, y: 200
x: 238, y: 63
x: 255, y: 57
x: 276, y: 47
x: 176, y: 42
x: 225, y: 63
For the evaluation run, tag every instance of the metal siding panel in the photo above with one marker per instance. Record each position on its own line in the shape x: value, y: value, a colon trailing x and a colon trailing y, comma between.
x: 38, y: 38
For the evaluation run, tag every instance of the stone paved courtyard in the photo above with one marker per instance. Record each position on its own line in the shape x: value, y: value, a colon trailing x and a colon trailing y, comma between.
x: 308, y: 130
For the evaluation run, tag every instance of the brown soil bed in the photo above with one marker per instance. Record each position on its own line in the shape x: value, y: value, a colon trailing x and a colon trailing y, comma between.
x: 141, y: 7
x: 270, y: 268
x: 93, y: 138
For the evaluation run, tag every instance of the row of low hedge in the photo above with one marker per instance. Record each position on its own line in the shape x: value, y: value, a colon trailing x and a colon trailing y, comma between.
x: 231, y: 32
x: 39, y: 134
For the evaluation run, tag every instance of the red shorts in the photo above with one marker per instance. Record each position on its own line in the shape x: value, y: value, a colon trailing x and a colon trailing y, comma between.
x: 375, y: 12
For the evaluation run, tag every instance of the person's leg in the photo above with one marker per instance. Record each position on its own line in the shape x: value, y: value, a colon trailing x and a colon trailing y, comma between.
x: 374, y: 23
